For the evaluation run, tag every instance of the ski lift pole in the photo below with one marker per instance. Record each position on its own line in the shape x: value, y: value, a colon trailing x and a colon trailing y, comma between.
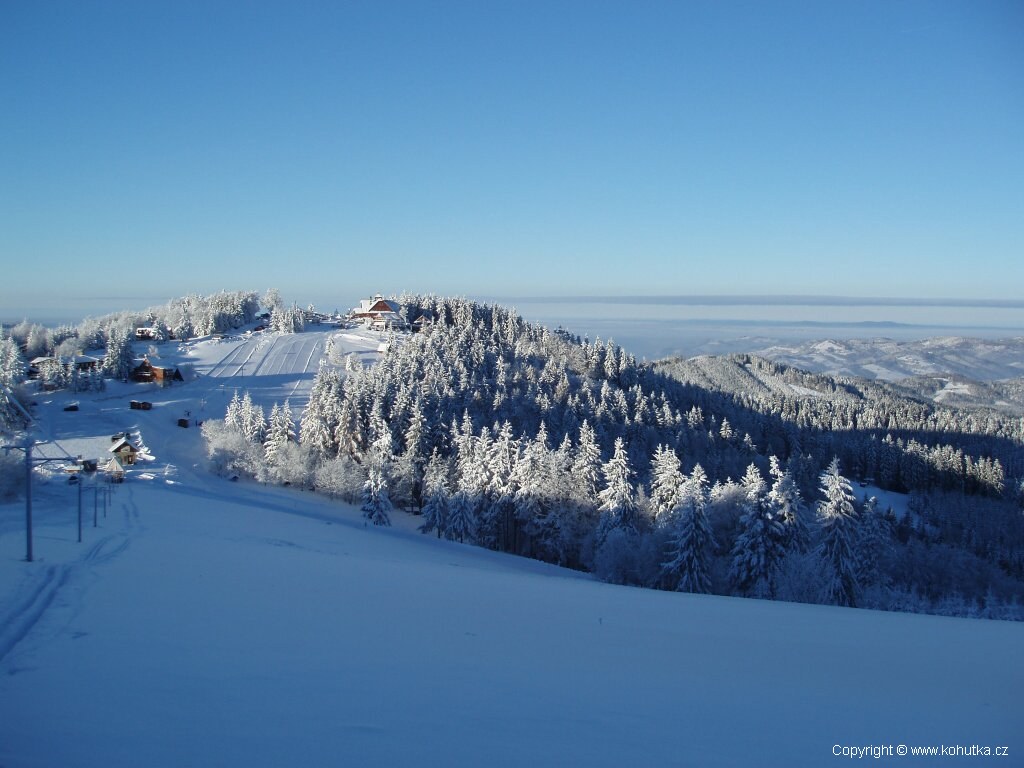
x: 79, y: 484
x: 28, y: 500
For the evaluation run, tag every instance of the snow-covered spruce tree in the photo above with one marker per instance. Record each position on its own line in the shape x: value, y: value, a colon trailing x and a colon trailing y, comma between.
x: 290, y: 320
x: 586, y: 466
x: 408, y: 467
x: 52, y: 375
x: 233, y: 414
x: 376, y: 502
x: 251, y: 421
x: 789, y: 507
x: 280, y: 431
x: 666, y: 483
x: 73, y: 378
x: 874, y: 543
x: 618, y: 506
x: 759, y: 548
x: 837, y: 549
x: 535, y: 498
x: 436, y: 495
x: 320, y: 419
x: 12, y: 364
x: 499, y: 528
x: 462, y: 523
x: 119, y: 359
x: 692, y: 542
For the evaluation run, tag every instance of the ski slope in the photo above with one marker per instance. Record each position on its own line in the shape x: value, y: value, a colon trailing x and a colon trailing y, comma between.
x: 283, y: 364
x: 205, y: 622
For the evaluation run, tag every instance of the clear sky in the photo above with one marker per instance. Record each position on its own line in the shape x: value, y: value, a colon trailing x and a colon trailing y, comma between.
x: 150, y: 149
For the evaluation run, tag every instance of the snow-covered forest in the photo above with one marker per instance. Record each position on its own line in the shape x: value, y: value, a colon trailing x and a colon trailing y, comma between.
x: 524, y: 440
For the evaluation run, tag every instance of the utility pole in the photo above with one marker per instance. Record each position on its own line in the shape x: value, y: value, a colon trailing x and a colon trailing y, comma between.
x: 79, y: 484
x: 28, y: 499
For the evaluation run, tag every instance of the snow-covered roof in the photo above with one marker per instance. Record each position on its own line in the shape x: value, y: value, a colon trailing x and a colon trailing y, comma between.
x: 121, y: 444
x: 378, y: 304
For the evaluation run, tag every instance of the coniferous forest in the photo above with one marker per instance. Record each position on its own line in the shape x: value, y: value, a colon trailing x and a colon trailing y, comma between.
x: 732, y: 476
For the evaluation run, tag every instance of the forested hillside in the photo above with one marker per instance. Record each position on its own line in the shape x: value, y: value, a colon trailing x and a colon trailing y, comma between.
x: 723, y: 476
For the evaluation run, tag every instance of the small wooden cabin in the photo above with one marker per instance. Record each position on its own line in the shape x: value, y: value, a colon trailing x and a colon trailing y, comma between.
x: 146, y: 372
x: 124, y: 451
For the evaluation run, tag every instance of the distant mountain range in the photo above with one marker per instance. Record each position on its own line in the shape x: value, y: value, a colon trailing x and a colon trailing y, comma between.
x: 880, y: 358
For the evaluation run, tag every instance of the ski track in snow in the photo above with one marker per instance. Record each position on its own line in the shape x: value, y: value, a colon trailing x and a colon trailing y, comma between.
x: 25, y: 613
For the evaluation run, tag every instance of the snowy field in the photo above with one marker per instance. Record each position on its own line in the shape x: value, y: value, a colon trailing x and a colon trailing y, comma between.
x: 211, y: 623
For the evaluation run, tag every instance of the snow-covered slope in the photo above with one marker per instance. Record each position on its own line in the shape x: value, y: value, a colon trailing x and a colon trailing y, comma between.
x: 205, y: 622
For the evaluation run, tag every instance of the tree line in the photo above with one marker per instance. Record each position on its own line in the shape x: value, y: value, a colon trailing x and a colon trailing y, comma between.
x: 532, y: 441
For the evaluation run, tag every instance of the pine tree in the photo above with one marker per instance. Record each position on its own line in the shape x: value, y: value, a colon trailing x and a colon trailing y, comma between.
x: 586, y: 466
x: 692, y: 542
x: 12, y: 364
x: 534, y: 498
x: 376, y: 502
x: 319, y: 420
x: 618, y: 507
x: 666, y: 482
x: 874, y: 542
x: 785, y: 499
x: 233, y: 415
x: 759, y: 548
x: 464, y: 507
x: 436, y: 495
x: 251, y: 421
x: 280, y: 431
x: 409, y: 466
x: 837, y: 551
x: 498, y: 525
x: 119, y: 359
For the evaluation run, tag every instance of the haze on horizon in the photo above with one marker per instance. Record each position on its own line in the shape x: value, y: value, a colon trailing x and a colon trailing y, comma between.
x: 529, y: 149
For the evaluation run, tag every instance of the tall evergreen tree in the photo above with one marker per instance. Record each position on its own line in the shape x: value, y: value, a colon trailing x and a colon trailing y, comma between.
x: 280, y: 430
x: 837, y: 550
x: 789, y: 508
x: 759, y: 548
x: 436, y: 495
x: 618, y: 507
x: 666, y: 482
x: 874, y: 542
x: 376, y: 502
x: 119, y: 359
x: 692, y: 542
x: 586, y: 466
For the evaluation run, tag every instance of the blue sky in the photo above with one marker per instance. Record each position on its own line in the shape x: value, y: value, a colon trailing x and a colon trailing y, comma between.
x: 511, y: 148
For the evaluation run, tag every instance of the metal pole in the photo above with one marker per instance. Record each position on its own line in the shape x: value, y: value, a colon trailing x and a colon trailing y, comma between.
x: 79, y: 484
x: 28, y: 500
